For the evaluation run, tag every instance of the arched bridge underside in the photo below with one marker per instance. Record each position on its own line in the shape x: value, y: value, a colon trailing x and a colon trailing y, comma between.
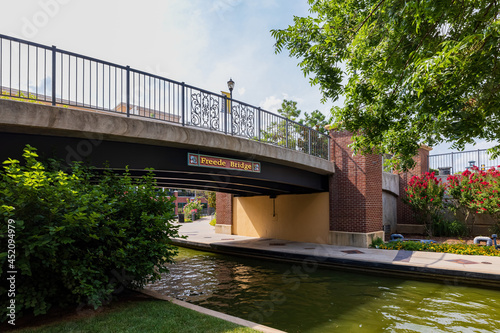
x: 174, y: 152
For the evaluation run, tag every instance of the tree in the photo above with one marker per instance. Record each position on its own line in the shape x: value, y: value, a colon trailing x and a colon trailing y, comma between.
x: 211, y: 198
x: 289, y: 110
x: 316, y: 120
x: 281, y: 132
x: 419, y: 72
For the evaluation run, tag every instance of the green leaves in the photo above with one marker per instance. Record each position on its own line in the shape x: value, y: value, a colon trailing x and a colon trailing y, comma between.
x: 419, y: 72
x: 71, y: 234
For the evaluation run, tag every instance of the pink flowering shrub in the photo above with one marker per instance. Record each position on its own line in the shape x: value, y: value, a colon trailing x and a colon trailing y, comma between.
x: 470, y: 193
x: 192, y: 208
x: 475, y: 192
x: 424, y: 195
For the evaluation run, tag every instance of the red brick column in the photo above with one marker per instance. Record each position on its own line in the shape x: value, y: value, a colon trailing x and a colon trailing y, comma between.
x: 176, y: 194
x: 405, y: 214
x: 355, y: 188
x: 224, y: 203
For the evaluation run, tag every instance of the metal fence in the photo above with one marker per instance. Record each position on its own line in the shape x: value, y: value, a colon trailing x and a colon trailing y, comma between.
x: 451, y: 163
x: 49, y: 75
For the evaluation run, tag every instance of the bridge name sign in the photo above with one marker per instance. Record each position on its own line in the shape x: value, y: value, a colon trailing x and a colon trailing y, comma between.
x: 222, y: 163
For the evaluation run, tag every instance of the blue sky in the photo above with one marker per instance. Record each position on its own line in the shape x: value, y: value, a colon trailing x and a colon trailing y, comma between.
x: 200, y: 42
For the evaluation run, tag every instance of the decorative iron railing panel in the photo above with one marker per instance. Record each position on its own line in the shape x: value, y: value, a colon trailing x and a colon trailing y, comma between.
x: 48, y: 75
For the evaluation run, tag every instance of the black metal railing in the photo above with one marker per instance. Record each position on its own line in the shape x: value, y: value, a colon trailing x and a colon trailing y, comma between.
x: 450, y: 163
x: 45, y: 74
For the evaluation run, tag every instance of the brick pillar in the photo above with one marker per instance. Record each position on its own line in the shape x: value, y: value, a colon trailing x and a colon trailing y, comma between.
x: 176, y: 194
x: 224, y: 203
x: 405, y: 214
x: 356, y: 213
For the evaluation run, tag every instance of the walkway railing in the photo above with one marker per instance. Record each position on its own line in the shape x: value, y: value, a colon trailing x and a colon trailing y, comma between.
x: 53, y: 76
x: 454, y: 162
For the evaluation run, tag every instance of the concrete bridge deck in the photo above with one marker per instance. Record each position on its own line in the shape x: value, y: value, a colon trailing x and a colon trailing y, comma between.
x: 449, y: 268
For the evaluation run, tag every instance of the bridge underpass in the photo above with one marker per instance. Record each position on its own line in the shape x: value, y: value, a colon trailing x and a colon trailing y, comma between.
x: 170, y: 164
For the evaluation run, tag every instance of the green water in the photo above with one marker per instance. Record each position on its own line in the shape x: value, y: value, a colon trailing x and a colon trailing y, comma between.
x: 297, y: 297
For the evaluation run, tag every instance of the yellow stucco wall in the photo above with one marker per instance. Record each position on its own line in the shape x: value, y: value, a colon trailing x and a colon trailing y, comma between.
x: 299, y: 217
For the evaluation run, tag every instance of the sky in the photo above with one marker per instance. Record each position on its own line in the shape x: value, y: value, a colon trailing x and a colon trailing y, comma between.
x: 203, y: 43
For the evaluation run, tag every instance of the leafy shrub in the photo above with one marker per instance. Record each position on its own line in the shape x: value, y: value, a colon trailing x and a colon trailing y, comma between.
x: 425, y: 196
x: 214, y: 220
x: 193, y: 207
x: 80, y: 236
x: 474, y: 193
x: 377, y: 242
x: 455, y: 228
x: 443, y: 248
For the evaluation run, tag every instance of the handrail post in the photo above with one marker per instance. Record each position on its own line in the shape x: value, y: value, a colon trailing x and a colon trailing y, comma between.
x: 183, y: 104
x: 478, y: 160
x: 452, y: 168
x: 231, y: 114
x: 225, y: 113
x: 54, y: 50
x: 309, y: 140
x: 328, y: 148
x: 258, y: 121
x: 286, y: 133
x: 128, y: 91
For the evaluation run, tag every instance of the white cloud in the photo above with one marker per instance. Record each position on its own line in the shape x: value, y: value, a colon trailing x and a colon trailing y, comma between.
x: 241, y: 91
x: 271, y: 103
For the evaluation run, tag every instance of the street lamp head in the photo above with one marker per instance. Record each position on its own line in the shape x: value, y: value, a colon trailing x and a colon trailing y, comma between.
x: 230, y: 85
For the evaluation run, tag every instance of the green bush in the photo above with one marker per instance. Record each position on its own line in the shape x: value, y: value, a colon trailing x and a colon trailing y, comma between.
x: 79, y: 236
x: 193, y: 207
x: 444, y: 228
x: 377, y: 242
x: 213, y: 222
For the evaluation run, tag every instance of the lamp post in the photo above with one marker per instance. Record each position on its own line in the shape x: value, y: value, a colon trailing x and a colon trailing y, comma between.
x: 230, y: 85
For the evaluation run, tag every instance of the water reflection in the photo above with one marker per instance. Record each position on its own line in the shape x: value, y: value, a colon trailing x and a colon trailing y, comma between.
x: 304, y: 298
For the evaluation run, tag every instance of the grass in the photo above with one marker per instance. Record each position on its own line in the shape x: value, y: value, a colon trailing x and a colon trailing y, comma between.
x: 141, y: 316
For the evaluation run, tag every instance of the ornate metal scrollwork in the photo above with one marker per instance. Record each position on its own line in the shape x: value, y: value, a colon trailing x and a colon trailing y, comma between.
x: 243, y: 120
x: 205, y: 111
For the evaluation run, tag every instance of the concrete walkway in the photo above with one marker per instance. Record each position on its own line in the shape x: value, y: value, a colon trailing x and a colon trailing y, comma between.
x: 452, y: 268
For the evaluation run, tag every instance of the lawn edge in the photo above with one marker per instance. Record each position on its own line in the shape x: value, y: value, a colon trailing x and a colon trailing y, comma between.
x: 216, y: 314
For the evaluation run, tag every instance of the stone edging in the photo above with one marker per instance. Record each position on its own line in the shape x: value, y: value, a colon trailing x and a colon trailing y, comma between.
x: 220, y: 315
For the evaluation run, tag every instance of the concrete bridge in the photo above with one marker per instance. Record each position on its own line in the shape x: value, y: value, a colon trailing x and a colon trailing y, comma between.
x: 275, y: 178
x: 97, y: 138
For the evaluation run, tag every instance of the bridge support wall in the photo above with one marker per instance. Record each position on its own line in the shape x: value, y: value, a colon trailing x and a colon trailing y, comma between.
x: 294, y: 217
x: 224, y: 203
x: 356, y: 213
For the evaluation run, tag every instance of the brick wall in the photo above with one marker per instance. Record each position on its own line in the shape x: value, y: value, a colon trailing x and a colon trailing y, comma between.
x: 355, y: 188
x: 405, y: 214
x: 224, y: 202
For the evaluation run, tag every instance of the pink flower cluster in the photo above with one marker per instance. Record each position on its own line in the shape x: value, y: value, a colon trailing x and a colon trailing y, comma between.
x: 478, y: 189
x: 423, y: 187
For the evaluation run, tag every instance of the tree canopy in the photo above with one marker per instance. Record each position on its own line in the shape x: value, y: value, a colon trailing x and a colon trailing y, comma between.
x: 418, y: 72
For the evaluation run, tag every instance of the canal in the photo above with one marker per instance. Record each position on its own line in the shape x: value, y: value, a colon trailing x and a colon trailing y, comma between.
x: 302, y: 297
